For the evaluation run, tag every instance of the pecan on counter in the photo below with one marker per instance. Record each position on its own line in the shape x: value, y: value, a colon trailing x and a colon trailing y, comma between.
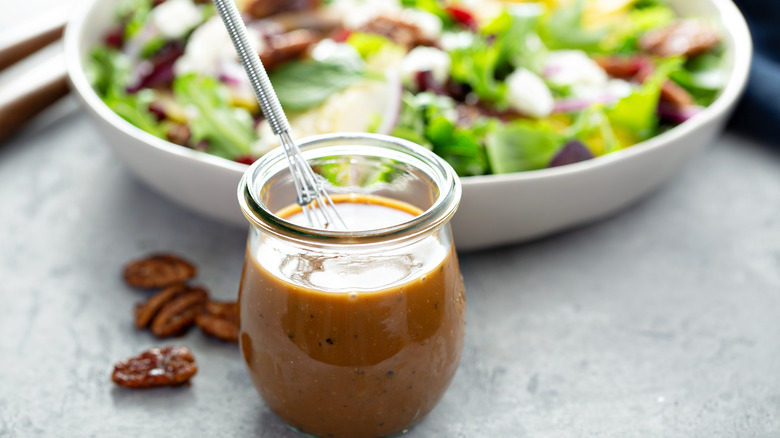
x: 158, y: 270
x: 171, y: 311
x: 156, y: 367
x: 219, y: 319
x: 683, y: 37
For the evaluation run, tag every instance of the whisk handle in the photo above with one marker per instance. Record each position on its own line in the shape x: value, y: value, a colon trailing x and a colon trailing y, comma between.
x: 258, y: 77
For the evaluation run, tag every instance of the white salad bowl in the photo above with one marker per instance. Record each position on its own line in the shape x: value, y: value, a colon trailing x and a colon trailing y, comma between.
x: 495, y: 209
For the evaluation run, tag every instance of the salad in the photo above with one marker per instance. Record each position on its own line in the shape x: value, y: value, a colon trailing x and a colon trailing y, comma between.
x: 491, y: 86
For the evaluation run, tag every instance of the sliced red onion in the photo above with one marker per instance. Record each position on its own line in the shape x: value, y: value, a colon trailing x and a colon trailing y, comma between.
x: 393, y: 109
x: 134, y: 45
x: 677, y: 114
x: 551, y: 70
x: 572, y: 152
x: 228, y: 79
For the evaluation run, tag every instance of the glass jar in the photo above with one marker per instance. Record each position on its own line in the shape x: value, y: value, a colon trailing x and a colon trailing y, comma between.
x: 353, y: 333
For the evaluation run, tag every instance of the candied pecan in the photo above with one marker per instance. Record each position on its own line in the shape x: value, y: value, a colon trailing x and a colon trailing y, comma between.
x: 670, y: 91
x: 158, y: 270
x: 285, y: 47
x: 179, y: 134
x: 675, y: 94
x: 219, y: 319
x: 146, y: 311
x: 622, y: 67
x: 178, y: 315
x: 398, y: 30
x: 683, y: 37
x: 266, y: 8
x: 156, y: 367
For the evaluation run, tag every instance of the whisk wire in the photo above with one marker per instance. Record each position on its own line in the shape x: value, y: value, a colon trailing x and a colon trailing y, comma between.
x: 317, y: 206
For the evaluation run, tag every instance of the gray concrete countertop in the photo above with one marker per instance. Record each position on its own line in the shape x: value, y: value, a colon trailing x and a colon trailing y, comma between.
x: 661, y: 321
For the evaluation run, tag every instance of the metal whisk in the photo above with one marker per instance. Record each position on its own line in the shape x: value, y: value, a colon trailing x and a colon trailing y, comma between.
x: 318, y: 208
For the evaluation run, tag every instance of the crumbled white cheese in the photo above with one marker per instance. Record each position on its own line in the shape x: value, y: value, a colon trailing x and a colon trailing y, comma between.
x: 573, y: 67
x: 426, y: 59
x: 356, y: 13
x: 210, y: 52
x: 613, y: 90
x: 456, y: 40
x: 429, y: 24
x: 528, y: 94
x: 354, y: 109
x: 175, y: 18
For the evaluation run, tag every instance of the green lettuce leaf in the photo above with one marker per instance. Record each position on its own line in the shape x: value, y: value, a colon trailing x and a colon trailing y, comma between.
x: 563, y: 29
x: 625, y: 37
x: 108, y: 70
x: 229, y: 130
x: 702, y: 76
x: 135, y: 109
x: 305, y: 84
x: 637, y: 111
x: 429, y: 120
x: 522, y: 145
x: 135, y: 14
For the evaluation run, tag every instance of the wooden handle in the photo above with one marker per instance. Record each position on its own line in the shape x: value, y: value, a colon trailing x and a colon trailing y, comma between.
x: 29, y: 37
x: 31, y: 93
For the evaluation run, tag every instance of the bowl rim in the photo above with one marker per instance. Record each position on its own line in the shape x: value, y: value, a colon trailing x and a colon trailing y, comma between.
x: 730, y: 17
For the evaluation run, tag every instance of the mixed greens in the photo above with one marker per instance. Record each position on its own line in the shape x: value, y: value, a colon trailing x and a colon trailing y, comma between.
x: 491, y: 86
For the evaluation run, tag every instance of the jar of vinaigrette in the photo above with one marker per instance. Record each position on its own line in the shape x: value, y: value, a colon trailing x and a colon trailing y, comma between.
x: 353, y: 333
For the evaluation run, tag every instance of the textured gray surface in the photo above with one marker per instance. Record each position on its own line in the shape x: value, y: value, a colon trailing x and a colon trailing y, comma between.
x: 662, y: 321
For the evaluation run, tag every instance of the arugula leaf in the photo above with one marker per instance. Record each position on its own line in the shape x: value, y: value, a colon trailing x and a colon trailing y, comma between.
x: 702, y: 76
x: 637, y: 111
x: 509, y: 41
x: 519, y: 43
x: 563, y: 29
x: 522, y: 145
x: 461, y: 147
x: 135, y: 14
x: 414, y: 115
x: 229, y: 130
x: 434, y: 7
x: 429, y: 120
x: 108, y: 71
x: 305, y: 84
x: 135, y: 109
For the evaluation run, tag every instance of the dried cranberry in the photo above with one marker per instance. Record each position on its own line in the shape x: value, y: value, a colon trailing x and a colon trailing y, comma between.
x: 245, y: 159
x: 463, y: 16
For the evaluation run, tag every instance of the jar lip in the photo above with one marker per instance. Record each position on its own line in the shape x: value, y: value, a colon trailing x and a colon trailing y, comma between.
x: 329, y: 145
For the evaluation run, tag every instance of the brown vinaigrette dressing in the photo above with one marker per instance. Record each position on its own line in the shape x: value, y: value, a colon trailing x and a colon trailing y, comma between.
x: 346, y: 349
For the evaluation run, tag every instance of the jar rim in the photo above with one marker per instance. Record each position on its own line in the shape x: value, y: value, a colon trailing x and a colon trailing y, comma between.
x: 262, y: 171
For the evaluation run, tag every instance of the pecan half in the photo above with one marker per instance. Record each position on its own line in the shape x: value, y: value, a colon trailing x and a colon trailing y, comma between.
x: 219, y: 319
x: 266, y: 8
x: 156, y: 367
x: 683, y: 37
x: 146, y: 311
x: 158, y: 270
x: 401, y: 31
x: 670, y: 91
x: 178, y: 314
x: 284, y: 47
